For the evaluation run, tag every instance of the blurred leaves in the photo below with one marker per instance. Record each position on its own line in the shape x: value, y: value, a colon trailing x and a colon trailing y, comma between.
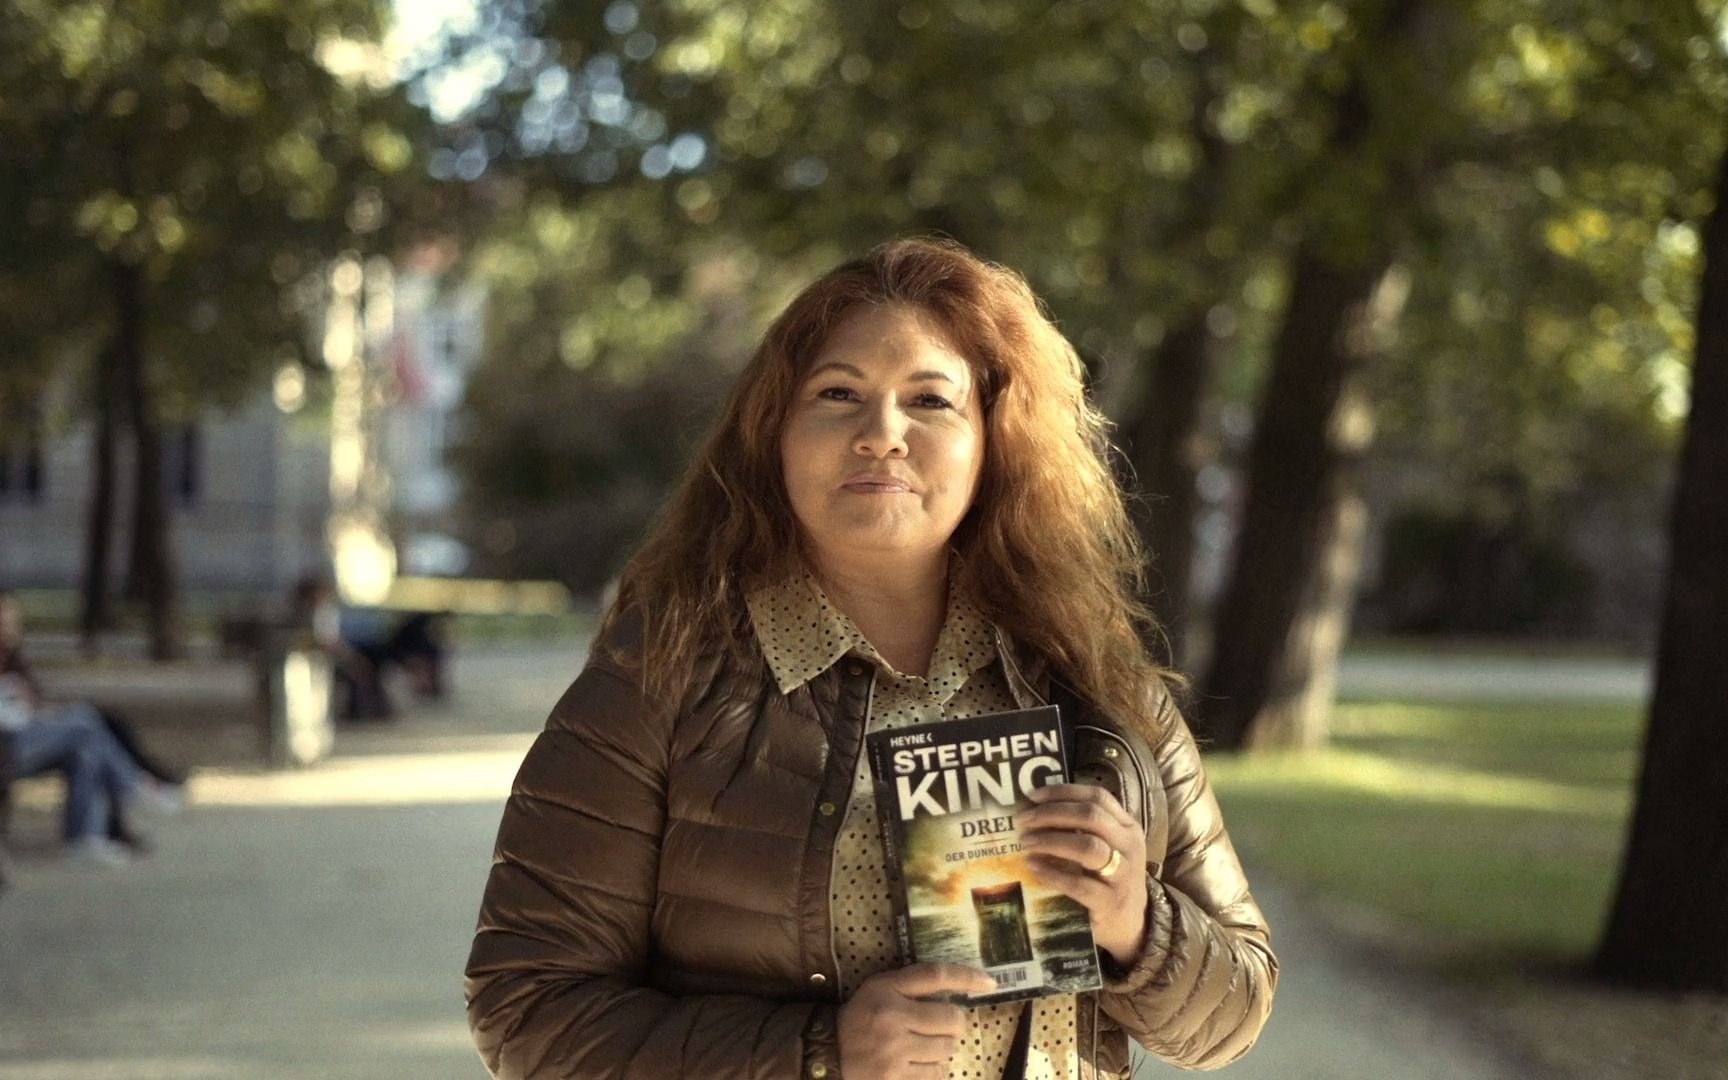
x: 223, y: 147
x: 1541, y: 173
x: 647, y: 182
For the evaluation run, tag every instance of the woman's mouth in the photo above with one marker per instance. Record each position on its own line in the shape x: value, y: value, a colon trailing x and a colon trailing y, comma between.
x: 876, y: 485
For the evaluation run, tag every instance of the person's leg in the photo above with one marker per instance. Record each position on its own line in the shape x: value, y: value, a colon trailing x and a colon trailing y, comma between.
x: 5, y: 803
x: 374, y: 701
x: 345, y: 694
x: 42, y: 745
x: 119, y: 828
x: 100, y: 775
x: 415, y: 646
x: 124, y: 734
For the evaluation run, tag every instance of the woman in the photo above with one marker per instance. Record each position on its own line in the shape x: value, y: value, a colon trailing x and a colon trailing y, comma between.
x: 106, y: 769
x: 903, y: 516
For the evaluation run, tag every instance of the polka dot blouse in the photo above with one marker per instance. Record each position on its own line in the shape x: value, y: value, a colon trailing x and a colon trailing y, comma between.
x: 803, y: 634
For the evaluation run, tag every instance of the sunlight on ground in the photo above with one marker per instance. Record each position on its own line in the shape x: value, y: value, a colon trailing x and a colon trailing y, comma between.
x: 379, y: 780
x: 398, y: 1042
x: 373, y: 780
x: 1405, y: 779
x: 129, y: 1068
x: 453, y: 1035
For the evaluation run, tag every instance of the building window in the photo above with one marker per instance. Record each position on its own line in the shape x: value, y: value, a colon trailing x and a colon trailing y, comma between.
x: 182, y: 465
x: 21, y: 474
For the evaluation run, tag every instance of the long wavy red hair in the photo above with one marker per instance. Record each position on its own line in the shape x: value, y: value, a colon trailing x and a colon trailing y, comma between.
x: 1047, y: 551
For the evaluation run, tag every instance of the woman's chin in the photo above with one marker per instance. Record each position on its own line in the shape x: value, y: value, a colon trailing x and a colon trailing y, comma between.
x: 875, y: 539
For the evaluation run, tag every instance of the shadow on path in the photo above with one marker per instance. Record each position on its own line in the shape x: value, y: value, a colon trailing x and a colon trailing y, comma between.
x: 315, y: 925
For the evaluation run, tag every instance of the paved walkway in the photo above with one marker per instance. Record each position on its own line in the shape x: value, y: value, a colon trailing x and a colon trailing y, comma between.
x: 1465, y: 677
x: 314, y: 925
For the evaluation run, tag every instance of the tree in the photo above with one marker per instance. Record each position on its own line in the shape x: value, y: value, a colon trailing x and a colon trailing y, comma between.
x: 822, y: 129
x: 95, y: 610
x: 177, y: 175
x: 1668, y: 926
x: 1297, y: 481
x: 1523, y: 134
x: 1221, y: 202
x: 1538, y: 383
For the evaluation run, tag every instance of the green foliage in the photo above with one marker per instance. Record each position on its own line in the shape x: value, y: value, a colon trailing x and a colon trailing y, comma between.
x: 1443, y: 572
x: 1539, y: 167
x: 570, y: 463
x: 225, y: 148
x: 1549, y: 328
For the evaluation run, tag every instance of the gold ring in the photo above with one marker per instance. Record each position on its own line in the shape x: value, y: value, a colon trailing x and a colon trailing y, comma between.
x: 1110, y: 868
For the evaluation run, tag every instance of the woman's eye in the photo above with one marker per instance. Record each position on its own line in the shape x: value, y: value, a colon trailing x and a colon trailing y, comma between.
x: 932, y: 401
x: 836, y: 393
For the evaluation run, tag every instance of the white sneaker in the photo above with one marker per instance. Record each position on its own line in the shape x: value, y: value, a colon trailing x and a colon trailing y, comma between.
x: 98, y: 850
x: 155, y: 797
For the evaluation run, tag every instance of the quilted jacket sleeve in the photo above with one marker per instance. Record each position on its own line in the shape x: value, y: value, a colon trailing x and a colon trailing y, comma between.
x: 558, y: 979
x: 1202, y: 988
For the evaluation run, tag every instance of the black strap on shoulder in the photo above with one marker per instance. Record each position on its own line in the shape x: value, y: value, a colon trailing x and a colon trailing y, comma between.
x: 1067, y: 704
x: 1015, y: 1068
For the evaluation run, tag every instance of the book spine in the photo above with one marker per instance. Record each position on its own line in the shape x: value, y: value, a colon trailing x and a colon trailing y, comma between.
x: 1068, y: 740
x: 888, y: 821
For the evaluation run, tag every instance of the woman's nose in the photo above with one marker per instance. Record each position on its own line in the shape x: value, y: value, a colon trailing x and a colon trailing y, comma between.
x: 881, y: 432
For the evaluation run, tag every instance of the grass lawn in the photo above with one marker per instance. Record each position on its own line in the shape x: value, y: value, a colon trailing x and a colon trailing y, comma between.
x: 1484, y: 842
x: 1479, y: 834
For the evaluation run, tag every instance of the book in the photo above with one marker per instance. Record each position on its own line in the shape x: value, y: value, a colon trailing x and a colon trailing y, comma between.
x: 946, y: 796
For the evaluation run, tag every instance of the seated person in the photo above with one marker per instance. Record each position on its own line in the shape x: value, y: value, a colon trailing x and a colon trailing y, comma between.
x: 362, y: 643
x: 417, y: 644
x: 103, y: 776
x: 356, y: 664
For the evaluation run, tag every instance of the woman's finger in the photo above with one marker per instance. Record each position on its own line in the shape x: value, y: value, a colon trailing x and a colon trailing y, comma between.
x: 1088, y: 816
x: 930, y: 1049
x: 929, y: 979
x: 1090, y: 794
x: 1092, y: 893
x: 1088, y: 851
x: 933, y: 1019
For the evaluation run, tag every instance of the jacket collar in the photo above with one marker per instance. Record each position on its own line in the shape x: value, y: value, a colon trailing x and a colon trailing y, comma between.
x: 802, y: 634
x: 1026, y: 673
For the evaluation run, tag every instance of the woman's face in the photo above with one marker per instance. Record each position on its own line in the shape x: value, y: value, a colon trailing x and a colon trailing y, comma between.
x: 884, y: 443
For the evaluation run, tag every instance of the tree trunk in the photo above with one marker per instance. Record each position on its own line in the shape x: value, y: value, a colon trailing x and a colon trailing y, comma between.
x: 1299, y: 447
x: 1163, y: 439
x: 1669, y: 925
x: 1299, y: 707
x: 1293, y: 484
x: 151, y: 576
x: 1163, y: 448
x: 95, y: 607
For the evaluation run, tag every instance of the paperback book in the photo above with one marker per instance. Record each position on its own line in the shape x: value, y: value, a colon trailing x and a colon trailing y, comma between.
x: 947, y: 796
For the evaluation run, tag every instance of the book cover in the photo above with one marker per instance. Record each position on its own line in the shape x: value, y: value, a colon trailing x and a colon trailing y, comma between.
x: 947, y: 795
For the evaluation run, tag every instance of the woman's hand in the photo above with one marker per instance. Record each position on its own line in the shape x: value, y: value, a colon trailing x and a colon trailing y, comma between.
x: 888, y: 1031
x: 1071, y: 837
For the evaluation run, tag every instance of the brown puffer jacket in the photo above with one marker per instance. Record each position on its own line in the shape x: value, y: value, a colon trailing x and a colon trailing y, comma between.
x: 658, y: 900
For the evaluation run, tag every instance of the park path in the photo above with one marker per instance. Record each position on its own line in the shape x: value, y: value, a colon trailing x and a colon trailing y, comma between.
x: 1408, y: 675
x: 315, y: 925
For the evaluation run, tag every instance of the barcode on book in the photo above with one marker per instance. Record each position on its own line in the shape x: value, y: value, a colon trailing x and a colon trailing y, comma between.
x: 1017, y: 976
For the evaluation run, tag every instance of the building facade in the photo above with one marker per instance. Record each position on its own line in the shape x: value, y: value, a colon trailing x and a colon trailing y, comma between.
x: 249, y: 490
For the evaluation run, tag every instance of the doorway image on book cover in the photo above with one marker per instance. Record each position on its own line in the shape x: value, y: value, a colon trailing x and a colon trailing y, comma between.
x: 973, y: 900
